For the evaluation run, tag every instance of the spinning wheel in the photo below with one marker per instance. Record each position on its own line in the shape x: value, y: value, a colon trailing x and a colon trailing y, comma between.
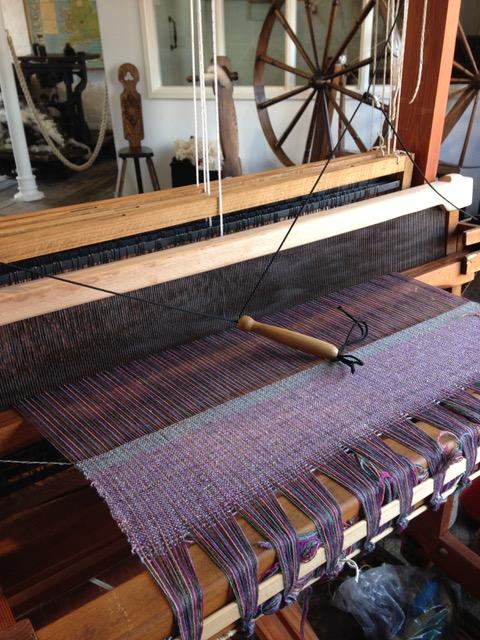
x: 466, y: 73
x: 320, y: 78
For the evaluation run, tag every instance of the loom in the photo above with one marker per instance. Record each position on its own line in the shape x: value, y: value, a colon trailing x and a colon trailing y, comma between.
x: 161, y: 250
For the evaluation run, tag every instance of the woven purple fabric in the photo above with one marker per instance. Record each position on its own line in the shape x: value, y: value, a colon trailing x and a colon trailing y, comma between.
x: 214, y: 463
x: 176, y: 468
x: 104, y: 411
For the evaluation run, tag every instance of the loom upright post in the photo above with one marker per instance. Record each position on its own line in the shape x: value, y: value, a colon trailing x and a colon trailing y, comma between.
x: 27, y: 185
x: 421, y: 123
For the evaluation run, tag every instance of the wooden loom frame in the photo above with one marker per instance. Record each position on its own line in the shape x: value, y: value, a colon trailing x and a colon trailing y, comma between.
x: 45, y: 295
x: 40, y: 233
x: 317, y: 223
x: 456, y: 269
x: 142, y: 588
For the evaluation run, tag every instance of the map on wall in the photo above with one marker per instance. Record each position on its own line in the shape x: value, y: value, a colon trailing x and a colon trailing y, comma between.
x: 62, y: 21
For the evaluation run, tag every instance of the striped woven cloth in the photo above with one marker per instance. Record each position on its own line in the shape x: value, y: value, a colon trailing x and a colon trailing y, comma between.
x: 181, y: 442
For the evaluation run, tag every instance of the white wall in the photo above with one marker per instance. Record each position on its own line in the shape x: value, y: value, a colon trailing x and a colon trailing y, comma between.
x: 167, y: 120
x: 92, y: 96
x: 16, y: 22
x: 164, y: 120
x: 452, y: 146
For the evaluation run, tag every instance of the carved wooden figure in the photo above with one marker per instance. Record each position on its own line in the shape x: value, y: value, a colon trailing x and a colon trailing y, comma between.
x: 131, y: 103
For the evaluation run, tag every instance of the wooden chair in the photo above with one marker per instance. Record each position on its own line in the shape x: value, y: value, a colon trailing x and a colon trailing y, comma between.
x: 131, y: 102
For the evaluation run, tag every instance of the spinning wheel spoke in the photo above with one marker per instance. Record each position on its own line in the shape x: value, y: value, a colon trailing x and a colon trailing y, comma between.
x: 282, y: 97
x: 312, y: 129
x: 347, y: 124
x: 326, y: 122
x: 457, y: 110
x: 294, y: 38
x: 461, y: 68
x: 469, y: 131
x: 308, y: 10
x: 467, y: 47
x: 358, y: 23
x: 351, y: 94
x: 331, y: 22
x: 463, y: 96
x: 294, y: 121
x: 322, y: 76
x: 285, y: 67
x: 455, y: 93
x: 349, y: 68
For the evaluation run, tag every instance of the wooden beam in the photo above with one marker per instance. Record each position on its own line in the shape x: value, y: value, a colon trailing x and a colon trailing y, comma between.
x: 22, y: 630
x: 7, y: 619
x: 421, y: 123
x: 40, y: 233
x: 286, y: 624
x: 431, y: 533
x: 139, y: 599
x: 445, y: 273
x: 470, y: 233
x: 471, y: 264
x: 451, y: 232
x: 15, y: 433
x: 45, y: 295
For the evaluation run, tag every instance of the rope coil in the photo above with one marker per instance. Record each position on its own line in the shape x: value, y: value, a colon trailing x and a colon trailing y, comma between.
x: 422, y: 49
x: 41, y: 126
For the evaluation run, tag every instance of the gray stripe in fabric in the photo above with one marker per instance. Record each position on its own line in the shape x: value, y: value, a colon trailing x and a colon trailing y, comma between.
x: 200, y: 421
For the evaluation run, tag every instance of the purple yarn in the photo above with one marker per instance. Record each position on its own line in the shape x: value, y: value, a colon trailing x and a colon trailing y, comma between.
x: 169, y: 482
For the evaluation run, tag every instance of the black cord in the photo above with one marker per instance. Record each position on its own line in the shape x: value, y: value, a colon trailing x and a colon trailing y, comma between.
x: 368, y: 99
x: 330, y: 156
x: 128, y: 296
x: 368, y: 96
x: 349, y: 359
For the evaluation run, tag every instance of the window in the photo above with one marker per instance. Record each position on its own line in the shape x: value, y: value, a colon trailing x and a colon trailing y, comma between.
x: 167, y: 40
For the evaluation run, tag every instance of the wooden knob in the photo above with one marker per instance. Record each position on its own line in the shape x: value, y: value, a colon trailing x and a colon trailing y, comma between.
x: 307, y: 344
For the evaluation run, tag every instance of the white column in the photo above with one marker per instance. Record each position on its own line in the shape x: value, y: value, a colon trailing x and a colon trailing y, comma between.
x: 366, y: 35
x: 27, y: 186
x: 220, y: 16
x: 290, y: 49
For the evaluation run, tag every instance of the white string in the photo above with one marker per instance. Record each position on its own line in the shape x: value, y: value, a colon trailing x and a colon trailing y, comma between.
x: 353, y: 565
x: 203, y: 101
x: 392, y: 86
x: 217, y: 115
x: 385, y: 61
x: 406, y: 7
x: 194, y: 83
x: 374, y: 74
x: 391, y: 102
x: 35, y: 462
x: 422, y: 48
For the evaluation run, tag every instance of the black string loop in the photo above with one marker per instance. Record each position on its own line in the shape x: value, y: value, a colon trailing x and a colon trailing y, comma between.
x: 349, y: 359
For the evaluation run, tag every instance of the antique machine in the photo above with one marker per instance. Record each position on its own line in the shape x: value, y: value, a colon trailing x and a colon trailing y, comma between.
x: 240, y: 469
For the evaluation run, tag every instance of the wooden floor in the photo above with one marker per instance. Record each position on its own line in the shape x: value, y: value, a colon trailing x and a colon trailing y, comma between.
x: 97, y: 183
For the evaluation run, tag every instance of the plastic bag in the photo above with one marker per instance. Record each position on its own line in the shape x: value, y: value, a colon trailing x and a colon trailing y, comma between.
x: 399, y: 603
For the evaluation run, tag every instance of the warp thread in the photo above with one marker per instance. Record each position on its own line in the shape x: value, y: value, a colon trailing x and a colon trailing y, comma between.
x: 139, y: 457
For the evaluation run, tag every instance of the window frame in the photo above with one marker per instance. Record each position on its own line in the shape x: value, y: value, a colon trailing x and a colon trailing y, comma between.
x: 156, y: 90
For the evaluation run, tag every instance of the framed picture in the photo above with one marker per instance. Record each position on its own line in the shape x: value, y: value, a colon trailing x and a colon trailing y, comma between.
x: 53, y: 23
